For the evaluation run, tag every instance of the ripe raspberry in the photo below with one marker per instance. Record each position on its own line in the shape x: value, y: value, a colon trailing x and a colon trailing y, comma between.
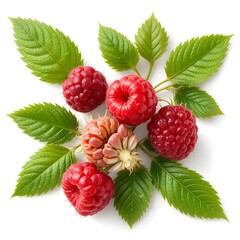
x: 88, y: 189
x: 131, y: 100
x: 85, y: 89
x: 94, y: 137
x: 173, y: 132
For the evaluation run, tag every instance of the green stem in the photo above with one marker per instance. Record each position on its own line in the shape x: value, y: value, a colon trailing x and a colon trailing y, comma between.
x: 106, y: 169
x: 166, y: 80
x: 151, y: 64
x: 164, y: 88
x: 75, y: 147
x: 166, y: 101
x: 172, y: 89
x: 78, y: 134
x: 136, y: 71
x: 141, y: 141
x: 147, y: 152
x: 133, y: 128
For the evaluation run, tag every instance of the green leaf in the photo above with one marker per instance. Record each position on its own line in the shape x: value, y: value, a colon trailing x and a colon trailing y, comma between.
x: 151, y: 39
x: 185, y: 189
x: 43, y: 172
x: 119, y: 53
x: 47, y: 122
x: 46, y: 51
x: 198, y: 101
x: 132, y: 194
x: 196, y: 60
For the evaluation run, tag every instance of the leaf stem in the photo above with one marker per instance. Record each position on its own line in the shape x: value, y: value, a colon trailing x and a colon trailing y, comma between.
x: 164, y: 81
x: 151, y: 64
x: 136, y: 71
x: 75, y: 147
x: 133, y: 128
x: 166, y: 101
x: 172, y: 89
x: 106, y: 169
x: 78, y: 134
x: 164, y: 88
x: 141, y: 141
x: 146, y: 151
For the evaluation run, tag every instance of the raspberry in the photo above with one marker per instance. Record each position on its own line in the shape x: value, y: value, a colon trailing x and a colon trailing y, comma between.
x: 85, y: 89
x: 95, y: 136
x: 119, y: 150
x: 131, y: 100
x: 88, y: 189
x: 173, y: 132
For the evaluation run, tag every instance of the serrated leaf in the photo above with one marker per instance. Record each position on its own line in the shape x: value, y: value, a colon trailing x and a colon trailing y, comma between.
x: 151, y: 39
x: 132, y: 194
x: 46, y: 51
x: 119, y: 53
x: 196, y: 60
x: 198, y: 101
x: 43, y: 172
x: 47, y: 123
x: 185, y: 189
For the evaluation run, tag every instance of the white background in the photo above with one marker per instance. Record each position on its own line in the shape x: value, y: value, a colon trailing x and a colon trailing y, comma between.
x: 216, y: 155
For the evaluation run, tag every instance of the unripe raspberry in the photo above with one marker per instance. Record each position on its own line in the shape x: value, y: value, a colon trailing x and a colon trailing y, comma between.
x: 88, y: 189
x: 132, y: 100
x: 120, y: 150
x: 173, y: 132
x: 85, y: 89
x: 95, y: 136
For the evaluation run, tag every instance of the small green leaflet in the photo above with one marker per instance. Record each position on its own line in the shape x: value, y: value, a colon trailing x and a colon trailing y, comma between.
x: 47, y: 123
x: 151, y: 39
x: 119, y: 53
x: 185, y: 189
x: 43, y: 172
x: 132, y: 194
x: 198, y: 101
x: 194, y: 61
x: 46, y: 51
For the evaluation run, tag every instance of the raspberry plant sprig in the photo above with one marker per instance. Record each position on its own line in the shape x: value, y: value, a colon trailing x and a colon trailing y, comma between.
x: 109, y: 143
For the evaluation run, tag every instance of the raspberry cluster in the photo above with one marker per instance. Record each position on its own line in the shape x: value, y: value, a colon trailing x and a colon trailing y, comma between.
x: 109, y: 143
x: 105, y: 146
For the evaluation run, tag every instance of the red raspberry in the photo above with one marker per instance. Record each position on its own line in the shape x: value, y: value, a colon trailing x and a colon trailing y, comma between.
x: 131, y: 100
x: 173, y: 132
x: 85, y: 89
x: 87, y: 188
